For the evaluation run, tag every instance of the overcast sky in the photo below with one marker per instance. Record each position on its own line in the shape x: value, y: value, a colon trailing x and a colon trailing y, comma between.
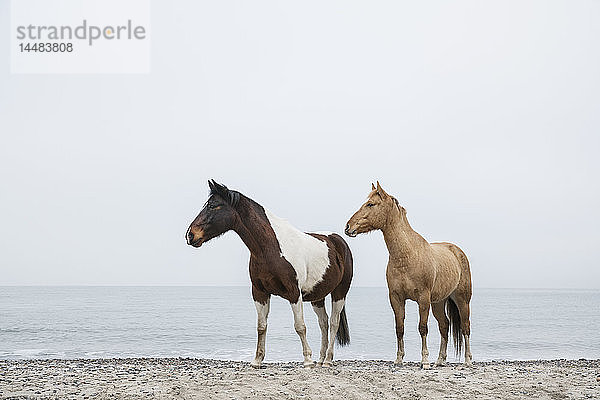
x: 482, y: 118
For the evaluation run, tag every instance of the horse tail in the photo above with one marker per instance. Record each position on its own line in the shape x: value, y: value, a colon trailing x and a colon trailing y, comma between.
x: 454, y: 317
x: 343, y: 334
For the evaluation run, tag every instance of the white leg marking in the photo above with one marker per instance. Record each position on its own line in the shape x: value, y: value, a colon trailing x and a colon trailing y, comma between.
x: 400, y: 352
x: 336, y: 309
x: 262, y: 312
x: 468, y: 355
x: 399, y: 307
x: 442, y: 356
x: 301, y: 331
x: 324, y: 325
x: 308, y: 255
x: 424, y: 353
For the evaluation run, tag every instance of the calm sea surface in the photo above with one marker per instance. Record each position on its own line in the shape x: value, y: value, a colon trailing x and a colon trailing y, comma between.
x: 219, y: 322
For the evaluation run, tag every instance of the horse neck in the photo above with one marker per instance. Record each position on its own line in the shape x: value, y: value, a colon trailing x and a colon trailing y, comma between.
x: 253, y: 226
x: 400, y: 238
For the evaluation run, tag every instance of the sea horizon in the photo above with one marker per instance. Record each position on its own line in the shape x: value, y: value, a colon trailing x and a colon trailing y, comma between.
x: 67, y: 322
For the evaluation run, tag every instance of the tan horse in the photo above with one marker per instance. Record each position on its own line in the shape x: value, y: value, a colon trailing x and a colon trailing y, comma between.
x: 432, y: 274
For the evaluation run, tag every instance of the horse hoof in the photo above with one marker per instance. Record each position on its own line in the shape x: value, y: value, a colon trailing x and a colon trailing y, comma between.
x: 426, y: 366
x: 398, y: 363
x: 327, y: 364
x: 468, y: 364
x: 255, y: 364
x: 309, y: 364
x: 440, y: 363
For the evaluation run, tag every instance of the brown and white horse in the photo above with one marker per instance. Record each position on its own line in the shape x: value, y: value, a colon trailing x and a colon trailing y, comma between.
x: 435, y: 275
x: 284, y: 262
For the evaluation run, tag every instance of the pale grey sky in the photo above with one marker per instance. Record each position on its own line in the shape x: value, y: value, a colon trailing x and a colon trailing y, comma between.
x: 482, y: 118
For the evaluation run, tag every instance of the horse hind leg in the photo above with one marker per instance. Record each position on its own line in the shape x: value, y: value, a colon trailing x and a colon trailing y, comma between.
x: 337, y: 307
x: 443, y: 325
x: 465, y: 328
x: 319, y: 309
x: 459, y: 305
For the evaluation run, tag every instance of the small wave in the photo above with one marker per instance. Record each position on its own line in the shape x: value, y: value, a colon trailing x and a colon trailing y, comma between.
x: 33, y: 354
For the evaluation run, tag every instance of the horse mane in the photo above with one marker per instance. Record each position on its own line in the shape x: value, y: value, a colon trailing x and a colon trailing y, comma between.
x: 397, y: 203
x: 230, y: 196
x: 400, y: 208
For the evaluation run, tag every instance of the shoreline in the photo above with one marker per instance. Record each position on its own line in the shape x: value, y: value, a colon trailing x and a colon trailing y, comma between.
x: 342, y: 361
x: 187, y: 378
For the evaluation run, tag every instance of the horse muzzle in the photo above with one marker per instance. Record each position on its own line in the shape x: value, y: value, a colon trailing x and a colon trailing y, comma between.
x: 349, y: 232
x: 197, y: 243
x: 195, y: 240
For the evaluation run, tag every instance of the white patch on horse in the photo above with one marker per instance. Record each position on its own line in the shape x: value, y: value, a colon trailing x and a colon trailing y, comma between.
x: 308, y: 255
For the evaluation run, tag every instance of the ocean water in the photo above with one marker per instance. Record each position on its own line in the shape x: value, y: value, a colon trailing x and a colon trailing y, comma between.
x: 220, y: 322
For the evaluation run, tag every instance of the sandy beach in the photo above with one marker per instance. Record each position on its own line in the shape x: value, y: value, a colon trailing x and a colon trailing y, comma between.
x: 163, y: 378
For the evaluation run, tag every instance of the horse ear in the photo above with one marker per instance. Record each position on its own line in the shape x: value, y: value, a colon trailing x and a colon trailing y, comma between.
x: 381, y: 192
x: 232, y: 197
x: 372, y: 186
x: 221, y: 189
x: 211, y: 185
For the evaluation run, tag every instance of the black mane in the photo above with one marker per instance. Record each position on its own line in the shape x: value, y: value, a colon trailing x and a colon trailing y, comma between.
x: 230, y: 196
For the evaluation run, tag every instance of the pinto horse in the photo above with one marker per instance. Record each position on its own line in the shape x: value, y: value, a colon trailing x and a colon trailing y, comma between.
x: 435, y: 275
x: 284, y: 262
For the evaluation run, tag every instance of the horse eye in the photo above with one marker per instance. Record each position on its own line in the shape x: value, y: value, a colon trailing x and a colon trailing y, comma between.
x: 370, y: 204
x: 213, y: 206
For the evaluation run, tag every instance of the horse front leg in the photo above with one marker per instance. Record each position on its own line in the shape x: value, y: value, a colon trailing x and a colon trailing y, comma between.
x: 301, y: 331
x: 424, y: 304
x: 319, y: 308
x: 262, y: 312
x: 398, y: 307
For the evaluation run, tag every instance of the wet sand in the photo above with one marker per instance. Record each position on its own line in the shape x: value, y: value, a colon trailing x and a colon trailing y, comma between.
x: 161, y: 378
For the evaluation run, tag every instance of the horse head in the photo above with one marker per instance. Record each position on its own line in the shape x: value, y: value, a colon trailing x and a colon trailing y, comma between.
x: 373, y: 214
x: 216, y: 217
